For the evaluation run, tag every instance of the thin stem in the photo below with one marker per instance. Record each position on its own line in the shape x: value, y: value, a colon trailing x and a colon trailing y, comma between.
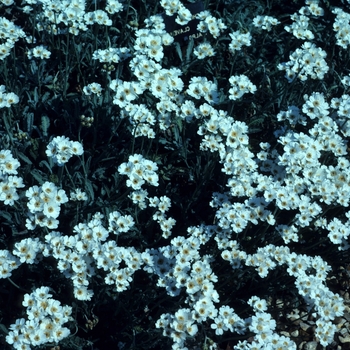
x: 66, y: 70
x: 17, y: 286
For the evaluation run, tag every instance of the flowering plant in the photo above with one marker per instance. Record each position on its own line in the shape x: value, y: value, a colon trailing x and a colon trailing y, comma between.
x: 158, y: 193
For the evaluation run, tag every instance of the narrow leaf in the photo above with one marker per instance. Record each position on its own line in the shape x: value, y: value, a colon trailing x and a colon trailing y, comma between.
x: 189, y: 49
x: 25, y: 158
x: 178, y: 50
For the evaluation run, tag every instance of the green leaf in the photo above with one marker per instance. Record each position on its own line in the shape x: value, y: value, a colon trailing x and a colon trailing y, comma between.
x: 30, y: 120
x: 36, y: 96
x: 178, y: 50
x: 106, y: 189
x: 3, y: 328
x: 45, y: 123
x: 25, y: 158
x: 37, y: 176
x: 45, y: 96
x: 189, y: 50
x: 179, y: 123
x: 6, y: 215
x: 90, y: 190
x: 44, y: 162
x: 87, y: 165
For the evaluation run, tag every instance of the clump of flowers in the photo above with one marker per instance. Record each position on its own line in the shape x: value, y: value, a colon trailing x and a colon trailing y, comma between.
x: 46, y: 317
x: 176, y: 7
x: 39, y: 52
x: 8, y: 263
x: 300, y: 27
x: 93, y: 88
x: 139, y: 171
x: 240, y: 85
x: 201, y: 87
x: 162, y: 204
x: 7, y: 99
x: 204, y: 50
x: 112, y: 54
x: 44, y: 204
x: 265, y: 22
x: 11, y: 34
x: 9, y: 182
x: 61, y: 149
x: 211, y: 24
x: 309, y: 60
x: 341, y: 26
x: 238, y: 40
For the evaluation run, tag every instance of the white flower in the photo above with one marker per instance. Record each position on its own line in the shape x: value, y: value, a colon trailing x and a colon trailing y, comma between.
x: 11, y: 98
x: 83, y: 293
x: 40, y: 52
x: 204, y: 50
x: 51, y: 210
x: 61, y: 149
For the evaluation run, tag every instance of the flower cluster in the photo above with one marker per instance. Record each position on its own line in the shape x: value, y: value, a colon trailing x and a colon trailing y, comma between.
x: 8, y: 263
x: 111, y: 54
x: 300, y: 27
x: 302, y: 165
x: 202, y: 87
x: 227, y: 136
x: 341, y: 105
x: 163, y: 205
x: 292, y: 115
x: 120, y: 263
x: 93, y: 88
x: 208, y: 23
x: 309, y: 60
x: 342, y: 27
x: 126, y: 92
x: 44, y: 204
x: 39, y: 52
x: 139, y: 197
x: 240, y: 86
x: 73, y: 254
x: 78, y: 195
x: 204, y: 50
x: 9, y: 182
x: 72, y: 15
x: 265, y: 22
x: 187, y: 269
x: 176, y: 7
x: 139, y: 171
x: 150, y: 41
x: 46, y: 317
x: 118, y: 223
x: 238, y: 40
x: 76, y: 255
x: 61, y: 149
x: 11, y: 34
x: 263, y: 325
x: 313, y: 8
x: 7, y: 99
x: 113, y: 6
x: 311, y: 285
x: 27, y: 250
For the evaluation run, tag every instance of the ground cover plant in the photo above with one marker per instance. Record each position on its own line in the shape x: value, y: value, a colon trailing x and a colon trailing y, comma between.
x: 174, y: 174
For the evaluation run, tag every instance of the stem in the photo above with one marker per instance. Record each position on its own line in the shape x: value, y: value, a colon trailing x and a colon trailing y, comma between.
x: 60, y: 175
x: 126, y: 19
x: 17, y: 286
x: 78, y: 60
x: 66, y: 70
x: 69, y: 175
